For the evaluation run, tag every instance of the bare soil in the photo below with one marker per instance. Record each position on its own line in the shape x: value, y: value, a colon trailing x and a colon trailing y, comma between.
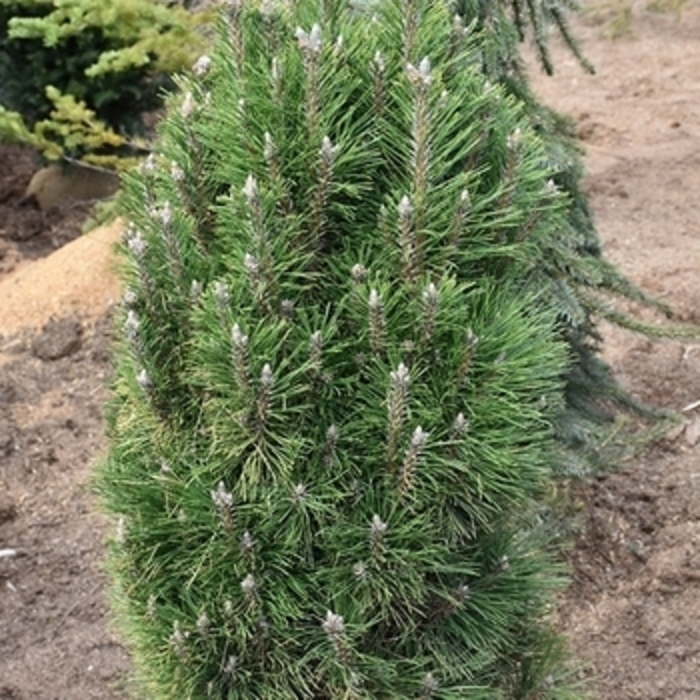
x: 632, y: 612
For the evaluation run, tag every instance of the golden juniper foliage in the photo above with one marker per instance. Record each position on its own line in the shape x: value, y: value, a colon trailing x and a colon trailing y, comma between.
x: 77, y: 74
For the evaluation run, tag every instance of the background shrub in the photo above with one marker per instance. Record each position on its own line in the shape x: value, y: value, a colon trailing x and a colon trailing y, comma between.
x: 81, y: 74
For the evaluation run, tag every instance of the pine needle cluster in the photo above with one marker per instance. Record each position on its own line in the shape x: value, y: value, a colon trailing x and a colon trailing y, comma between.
x: 339, y: 369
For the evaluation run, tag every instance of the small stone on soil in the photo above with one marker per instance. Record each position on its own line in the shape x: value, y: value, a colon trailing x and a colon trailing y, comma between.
x: 58, y: 338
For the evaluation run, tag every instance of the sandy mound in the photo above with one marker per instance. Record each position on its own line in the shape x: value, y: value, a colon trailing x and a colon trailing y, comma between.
x: 77, y: 279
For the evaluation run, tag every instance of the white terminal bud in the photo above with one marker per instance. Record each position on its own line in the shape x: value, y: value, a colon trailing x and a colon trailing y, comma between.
x: 176, y: 172
x: 405, y: 208
x: 358, y: 272
x: 222, y: 498
x: 231, y: 665
x: 251, y: 264
x: 221, y: 293
x: 328, y: 150
x: 379, y: 62
x: 143, y: 379
x: 311, y: 41
x: 132, y: 325
x: 419, y: 438
x: 137, y: 244
x: 333, y: 625
x: 420, y: 75
x: 238, y: 338
x: 149, y: 166
x: 196, y: 290
x: 430, y: 295
x: 377, y: 528
x: 269, y: 149
x: 247, y: 543
x: 460, y: 425
x: 201, y: 66
x: 401, y: 377
x: 187, y: 106
x: 203, y: 624
x: 249, y: 585
x: 250, y: 189
x: 266, y: 378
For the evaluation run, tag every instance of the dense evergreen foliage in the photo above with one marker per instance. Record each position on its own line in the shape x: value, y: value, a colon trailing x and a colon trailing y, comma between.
x: 341, y: 360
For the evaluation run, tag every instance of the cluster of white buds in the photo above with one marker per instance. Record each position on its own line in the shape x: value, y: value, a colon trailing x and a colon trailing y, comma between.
x: 203, y: 624
x: 221, y: 294
x: 201, y: 66
x: 309, y: 42
x: 132, y: 326
x: 129, y: 298
x: 431, y: 304
x: 252, y: 266
x: 328, y: 152
x: 463, y: 593
x: 250, y: 190
x: 143, y: 379
x: 239, y: 356
x: 222, y: 499
x: 267, y: 382
x: 287, y: 309
x: 231, y: 666
x: 276, y: 74
x: 196, y: 290
x: 164, y: 214
x: 471, y: 341
x: 269, y: 150
x: 378, y: 62
x: 359, y: 569
x: 299, y: 493
x: 177, y: 640
x: 514, y: 140
x: 176, y: 172
x: 420, y: 75
x: 136, y: 243
x: 358, y: 273
x: 149, y: 166
x: 334, y: 627
x: 247, y: 543
x: 460, y: 426
x: 329, y: 448
x: 550, y: 188
x: 405, y: 209
x: 187, y: 106
x: 120, y: 534
x: 377, y: 530
x: 430, y: 686
x: 400, y: 380
x: 151, y: 607
x: 249, y: 586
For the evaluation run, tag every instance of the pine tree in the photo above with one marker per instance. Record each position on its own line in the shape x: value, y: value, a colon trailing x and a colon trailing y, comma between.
x: 339, y: 367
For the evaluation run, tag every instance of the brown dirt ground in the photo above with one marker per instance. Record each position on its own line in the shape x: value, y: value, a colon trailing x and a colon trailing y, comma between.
x: 632, y: 613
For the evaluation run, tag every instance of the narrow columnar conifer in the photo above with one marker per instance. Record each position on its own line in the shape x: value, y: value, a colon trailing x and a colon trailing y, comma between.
x: 338, y: 370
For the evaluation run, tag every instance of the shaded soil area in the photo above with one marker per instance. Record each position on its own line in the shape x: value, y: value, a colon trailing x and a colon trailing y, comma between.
x: 632, y: 612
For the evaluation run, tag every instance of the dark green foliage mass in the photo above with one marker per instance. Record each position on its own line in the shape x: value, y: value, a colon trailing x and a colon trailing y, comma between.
x: 114, y: 59
x: 341, y: 360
